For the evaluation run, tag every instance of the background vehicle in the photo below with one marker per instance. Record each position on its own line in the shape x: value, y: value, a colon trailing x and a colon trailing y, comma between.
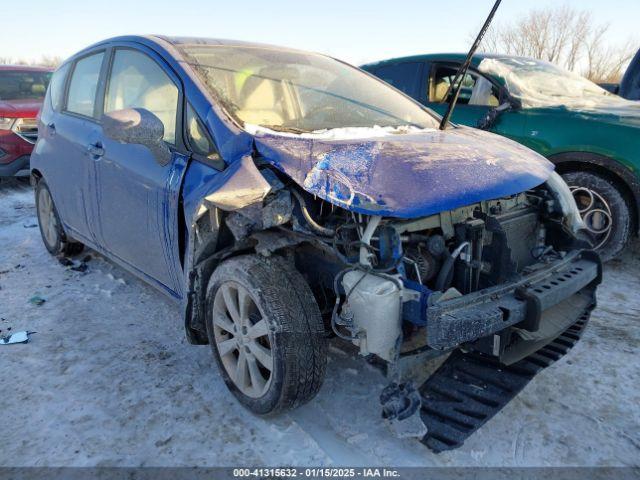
x: 610, y: 87
x: 278, y: 196
x: 591, y: 136
x: 22, y: 89
x: 630, y: 85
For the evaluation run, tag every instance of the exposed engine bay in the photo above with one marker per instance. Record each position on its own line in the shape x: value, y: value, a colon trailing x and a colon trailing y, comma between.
x: 399, y: 276
x: 397, y: 286
x: 500, y: 278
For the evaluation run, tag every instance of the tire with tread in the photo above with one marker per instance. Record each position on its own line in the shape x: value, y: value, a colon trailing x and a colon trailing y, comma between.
x: 299, y: 346
x: 620, y: 210
x: 62, y: 245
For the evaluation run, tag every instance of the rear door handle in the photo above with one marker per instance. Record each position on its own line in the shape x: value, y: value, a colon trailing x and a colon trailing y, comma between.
x: 51, y: 128
x: 96, y: 150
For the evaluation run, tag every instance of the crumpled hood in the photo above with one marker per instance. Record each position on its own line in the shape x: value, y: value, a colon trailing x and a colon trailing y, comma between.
x: 406, y: 175
x: 25, y: 108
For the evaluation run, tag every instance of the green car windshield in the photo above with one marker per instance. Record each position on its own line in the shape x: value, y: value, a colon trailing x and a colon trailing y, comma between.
x: 538, y: 84
x: 298, y: 92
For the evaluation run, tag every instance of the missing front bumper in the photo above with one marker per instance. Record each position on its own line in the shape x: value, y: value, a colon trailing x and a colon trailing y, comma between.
x: 538, y: 306
x: 470, y: 388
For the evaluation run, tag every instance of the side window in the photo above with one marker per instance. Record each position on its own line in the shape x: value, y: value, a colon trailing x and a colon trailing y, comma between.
x: 197, y: 135
x: 138, y: 82
x: 56, y: 87
x: 84, y: 83
x: 635, y: 90
x: 404, y: 76
x: 634, y: 83
x: 476, y: 90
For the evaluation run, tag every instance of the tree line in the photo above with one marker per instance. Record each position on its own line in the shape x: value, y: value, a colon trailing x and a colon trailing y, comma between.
x: 568, y: 37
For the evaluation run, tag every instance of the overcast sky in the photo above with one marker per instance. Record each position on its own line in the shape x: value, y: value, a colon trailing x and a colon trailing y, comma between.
x: 354, y: 30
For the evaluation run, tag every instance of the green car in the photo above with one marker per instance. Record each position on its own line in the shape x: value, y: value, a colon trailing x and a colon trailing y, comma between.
x: 591, y: 135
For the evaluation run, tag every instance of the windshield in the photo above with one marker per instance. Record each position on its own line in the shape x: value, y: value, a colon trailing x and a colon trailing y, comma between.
x: 19, y: 85
x: 299, y: 92
x: 537, y: 84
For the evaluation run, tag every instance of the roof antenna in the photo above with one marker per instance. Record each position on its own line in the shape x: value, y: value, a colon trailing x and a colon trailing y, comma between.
x: 457, y: 82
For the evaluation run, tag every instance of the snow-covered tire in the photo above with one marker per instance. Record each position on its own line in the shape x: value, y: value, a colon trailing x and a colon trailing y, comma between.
x: 619, y: 232
x: 53, y: 236
x: 270, y: 290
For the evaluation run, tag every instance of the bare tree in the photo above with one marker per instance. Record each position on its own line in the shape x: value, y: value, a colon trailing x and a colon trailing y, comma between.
x: 50, y: 60
x: 565, y: 36
x: 605, y: 63
x: 43, y: 61
x: 7, y: 61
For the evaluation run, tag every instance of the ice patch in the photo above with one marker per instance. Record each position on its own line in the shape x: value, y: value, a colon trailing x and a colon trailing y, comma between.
x: 538, y: 84
x: 347, y: 133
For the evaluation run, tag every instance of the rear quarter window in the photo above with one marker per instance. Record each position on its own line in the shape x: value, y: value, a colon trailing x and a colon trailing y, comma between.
x: 56, y: 87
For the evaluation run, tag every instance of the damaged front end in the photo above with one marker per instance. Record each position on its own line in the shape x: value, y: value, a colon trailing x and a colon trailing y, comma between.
x: 414, y: 242
x: 499, y: 279
x: 502, y: 277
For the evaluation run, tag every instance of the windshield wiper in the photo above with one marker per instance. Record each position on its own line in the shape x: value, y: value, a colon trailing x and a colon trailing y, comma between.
x: 457, y: 82
x: 282, y: 128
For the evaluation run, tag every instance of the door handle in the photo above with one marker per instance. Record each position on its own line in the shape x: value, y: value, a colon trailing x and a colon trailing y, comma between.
x: 51, y: 128
x: 96, y: 150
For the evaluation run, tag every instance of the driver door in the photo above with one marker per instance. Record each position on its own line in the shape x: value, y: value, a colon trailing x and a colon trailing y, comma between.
x: 477, y: 94
x: 137, y: 197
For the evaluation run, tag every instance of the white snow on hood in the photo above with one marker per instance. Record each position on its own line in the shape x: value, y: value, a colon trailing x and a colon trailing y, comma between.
x: 541, y: 84
x: 347, y: 133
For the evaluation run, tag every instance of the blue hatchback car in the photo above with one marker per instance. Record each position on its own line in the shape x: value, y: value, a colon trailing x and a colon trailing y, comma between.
x: 283, y: 197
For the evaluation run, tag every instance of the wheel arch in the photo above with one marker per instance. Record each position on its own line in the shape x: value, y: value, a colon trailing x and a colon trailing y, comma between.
x: 209, y: 244
x: 612, y: 170
x: 36, y: 176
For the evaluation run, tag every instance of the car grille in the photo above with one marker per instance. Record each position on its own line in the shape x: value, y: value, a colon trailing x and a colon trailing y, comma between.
x: 27, y: 129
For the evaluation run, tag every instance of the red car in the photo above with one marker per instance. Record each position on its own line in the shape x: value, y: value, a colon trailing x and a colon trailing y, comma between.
x: 22, y: 90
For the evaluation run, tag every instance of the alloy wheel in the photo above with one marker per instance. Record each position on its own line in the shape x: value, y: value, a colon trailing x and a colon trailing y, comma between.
x: 596, y: 214
x: 243, y: 339
x: 47, y: 217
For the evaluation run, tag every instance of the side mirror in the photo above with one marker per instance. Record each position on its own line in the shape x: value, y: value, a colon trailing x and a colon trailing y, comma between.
x: 489, y: 120
x: 138, y: 126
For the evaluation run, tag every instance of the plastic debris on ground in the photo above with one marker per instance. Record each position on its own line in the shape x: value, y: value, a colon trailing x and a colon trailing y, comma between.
x: 76, y: 266
x: 401, y: 410
x: 17, y: 337
x: 37, y: 300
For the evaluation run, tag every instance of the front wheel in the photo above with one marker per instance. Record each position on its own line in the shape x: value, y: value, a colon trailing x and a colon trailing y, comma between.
x: 266, y: 333
x: 604, y: 210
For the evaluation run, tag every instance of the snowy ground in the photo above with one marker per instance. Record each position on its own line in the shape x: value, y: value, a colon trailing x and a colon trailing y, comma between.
x: 109, y: 379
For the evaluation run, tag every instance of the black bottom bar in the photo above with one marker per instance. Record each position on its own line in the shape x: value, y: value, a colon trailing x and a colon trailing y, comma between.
x: 469, y: 389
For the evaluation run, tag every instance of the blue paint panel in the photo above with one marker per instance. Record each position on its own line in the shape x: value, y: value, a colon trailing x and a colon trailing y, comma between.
x: 202, y: 180
x: 408, y: 175
x: 415, y: 311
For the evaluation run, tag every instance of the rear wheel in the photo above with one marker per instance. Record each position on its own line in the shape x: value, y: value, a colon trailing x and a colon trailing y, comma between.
x: 266, y: 333
x: 53, y: 236
x: 604, y: 210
